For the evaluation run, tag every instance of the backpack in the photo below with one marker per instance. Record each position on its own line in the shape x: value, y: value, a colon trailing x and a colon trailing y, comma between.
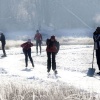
x: 50, y: 44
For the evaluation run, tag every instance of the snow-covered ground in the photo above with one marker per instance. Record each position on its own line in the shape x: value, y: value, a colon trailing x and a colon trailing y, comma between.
x: 73, y: 62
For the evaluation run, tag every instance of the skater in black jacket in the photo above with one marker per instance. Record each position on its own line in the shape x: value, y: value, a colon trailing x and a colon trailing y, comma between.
x: 96, y: 37
x: 3, y: 42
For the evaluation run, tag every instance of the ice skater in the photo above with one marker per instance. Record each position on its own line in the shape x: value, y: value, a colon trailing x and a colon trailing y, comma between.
x: 96, y: 37
x: 3, y: 42
x: 27, y: 51
x: 38, y: 38
x: 52, y: 49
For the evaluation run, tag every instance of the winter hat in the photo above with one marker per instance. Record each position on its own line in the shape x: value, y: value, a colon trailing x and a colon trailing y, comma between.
x: 29, y: 40
x: 1, y: 33
x: 37, y: 31
x: 53, y: 37
x: 98, y: 29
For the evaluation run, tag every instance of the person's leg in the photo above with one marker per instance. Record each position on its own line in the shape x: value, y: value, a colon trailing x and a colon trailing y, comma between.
x: 29, y: 55
x: 37, y: 46
x: 3, y: 49
x: 40, y: 46
x: 48, y: 61
x: 26, y: 57
x: 53, y: 61
x: 98, y: 58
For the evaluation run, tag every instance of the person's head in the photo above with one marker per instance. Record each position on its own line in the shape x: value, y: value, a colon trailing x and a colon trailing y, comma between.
x: 37, y: 31
x: 98, y: 29
x: 1, y: 33
x: 29, y: 40
x: 52, y: 38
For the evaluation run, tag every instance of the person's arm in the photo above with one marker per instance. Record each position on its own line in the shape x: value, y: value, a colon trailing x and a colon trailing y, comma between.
x: 31, y: 44
x: 57, y: 46
x: 35, y: 37
x: 96, y: 38
x: 41, y: 37
x: 22, y: 45
x: 47, y: 41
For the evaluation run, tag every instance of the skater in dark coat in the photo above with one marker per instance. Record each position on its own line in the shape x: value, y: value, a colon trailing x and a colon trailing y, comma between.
x: 96, y: 37
x: 52, y: 49
x: 38, y: 38
x: 27, y: 51
x: 3, y: 42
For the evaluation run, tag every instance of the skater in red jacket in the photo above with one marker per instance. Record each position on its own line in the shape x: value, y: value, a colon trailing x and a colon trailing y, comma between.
x: 38, y: 38
x: 27, y: 51
x: 52, y: 49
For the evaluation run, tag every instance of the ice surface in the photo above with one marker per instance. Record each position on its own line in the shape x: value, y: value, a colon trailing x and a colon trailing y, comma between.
x: 73, y: 62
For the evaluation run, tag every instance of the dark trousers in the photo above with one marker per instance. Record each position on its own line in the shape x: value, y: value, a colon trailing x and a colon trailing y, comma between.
x: 27, y: 54
x: 38, y: 43
x: 51, y: 61
x: 3, y: 49
x: 98, y: 57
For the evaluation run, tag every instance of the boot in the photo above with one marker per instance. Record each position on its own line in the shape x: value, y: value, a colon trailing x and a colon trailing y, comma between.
x: 55, y: 72
x: 33, y: 64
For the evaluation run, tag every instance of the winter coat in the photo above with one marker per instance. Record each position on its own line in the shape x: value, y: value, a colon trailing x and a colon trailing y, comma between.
x: 38, y: 36
x: 2, y: 39
x: 27, y: 45
x: 96, y: 37
x: 52, y: 46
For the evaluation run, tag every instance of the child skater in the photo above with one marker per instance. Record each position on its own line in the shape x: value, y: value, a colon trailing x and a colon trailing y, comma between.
x: 27, y: 51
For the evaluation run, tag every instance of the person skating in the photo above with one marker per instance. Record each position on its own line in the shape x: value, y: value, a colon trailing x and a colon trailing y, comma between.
x: 3, y: 42
x: 27, y: 51
x: 96, y: 37
x: 52, y: 49
x: 38, y: 38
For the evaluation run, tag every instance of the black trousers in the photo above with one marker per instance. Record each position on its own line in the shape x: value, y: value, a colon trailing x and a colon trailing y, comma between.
x: 98, y: 57
x: 3, y: 49
x: 27, y: 54
x: 51, y: 61
x: 38, y: 43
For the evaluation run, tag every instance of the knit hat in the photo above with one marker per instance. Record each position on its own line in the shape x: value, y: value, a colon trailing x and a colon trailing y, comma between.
x: 1, y: 33
x: 53, y: 37
x: 98, y: 29
x: 29, y: 40
x: 37, y: 31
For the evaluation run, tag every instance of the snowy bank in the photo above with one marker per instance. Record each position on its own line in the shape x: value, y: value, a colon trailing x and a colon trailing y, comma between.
x: 18, y: 89
x: 62, y: 40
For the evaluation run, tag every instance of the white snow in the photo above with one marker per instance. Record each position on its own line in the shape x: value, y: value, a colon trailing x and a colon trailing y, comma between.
x: 73, y: 62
